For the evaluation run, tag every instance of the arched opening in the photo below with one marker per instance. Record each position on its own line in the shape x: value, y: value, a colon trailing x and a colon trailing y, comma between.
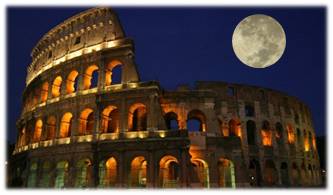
x: 169, y: 172
x: 137, y: 117
x: 138, y: 174
x: 251, y: 132
x: 108, y: 173
x: 270, y: 173
x: 56, y: 86
x: 38, y: 130
x: 291, y: 134
x: 61, y: 174
x: 201, y: 168
x: 196, y: 121
x: 226, y: 173
x: 45, y: 91
x: 83, y: 172
x: 90, y: 77
x: 32, y: 177
x: 50, y: 128
x: 284, y: 174
x: 299, y: 137
x: 46, y: 175
x: 22, y: 138
x: 303, y: 174
x: 66, y: 125
x: 86, y: 122
x: 235, y: 128
x: 255, y: 173
x: 306, y: 142
x: 295, y: 175
x: 279, y: 133
x: 71, y: 84
x: 266, y: 134
x: 171, y: 120
x: 113, y: 73
x: 110, y: 120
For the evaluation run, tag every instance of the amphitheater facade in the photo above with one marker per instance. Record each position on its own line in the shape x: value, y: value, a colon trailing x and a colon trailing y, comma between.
x: 81, y: 127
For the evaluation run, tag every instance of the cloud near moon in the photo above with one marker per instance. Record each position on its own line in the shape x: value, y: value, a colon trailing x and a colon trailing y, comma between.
x: 259, y: 41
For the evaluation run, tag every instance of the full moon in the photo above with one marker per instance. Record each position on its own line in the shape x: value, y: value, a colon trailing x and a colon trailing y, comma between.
x: 259, y: 41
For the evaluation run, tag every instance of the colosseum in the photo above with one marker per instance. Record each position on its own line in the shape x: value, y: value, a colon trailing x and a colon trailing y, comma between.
x: 82, y: 128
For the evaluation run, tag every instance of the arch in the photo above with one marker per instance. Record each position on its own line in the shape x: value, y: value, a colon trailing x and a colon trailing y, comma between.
x: 196, y: 118
x: 306, y: 142
x: 50, y: 127
x: 71, y: 81
x: 32, y: 177
x: 44, y: 91
x: 56, y: 86
x: 137, y: 117
x: 226, y: 173
x: 284, y: 174
x: 251, y: 132
x: 299, y: 134
x: 270, y: 173
x: 108, y: 172
x: 138, y: 174
x: 46, y: 175
x: 279, y: 133
x: 291, y: 134
x: 266, y: 134
x: 66, y: 125
x: 83, y: 173
x: 295, y: 174
x: 169, y: 172
x: 110, y: 120
x: 38, y: 130
x: 110, y: 72
x: 61, y: 174
x: 255, y: 173
x: 235, y: 128
x: 89, y: 77
x: 171, y: 120
x: 202, y: 170
x: 86, y: 122
x: 22, y: 137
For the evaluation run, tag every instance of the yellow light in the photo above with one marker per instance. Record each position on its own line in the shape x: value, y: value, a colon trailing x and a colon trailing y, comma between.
x: 84, y: 138
x: 66, y: 140
x: 106, y: 136
x: 143, y: 134
x: 162, y: 134
x: 131, y: 135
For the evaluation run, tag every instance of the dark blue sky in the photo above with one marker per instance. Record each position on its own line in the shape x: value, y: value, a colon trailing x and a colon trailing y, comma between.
x: 182, y: 45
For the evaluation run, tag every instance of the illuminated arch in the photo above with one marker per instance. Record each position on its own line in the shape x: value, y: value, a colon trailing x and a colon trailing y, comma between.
x: 88, y: 76
x: 109, y: 72
x: 291, y: 134
x: 46, y: 175
x: 202, y: 170
x: 70, y: 83
x: 138, y: 174
x: 169, y: 172
x: 108, y: 172
x: 137, y: 117
x: 235, y: 128
x: 83, y: 173
x: 65, y: 125
x: 22, y: 137
x: 38, y: 130
x: 44, y: 91
x: 171, y: 120
x: 266, y: 133
x: 50, y: 127
x: 86, y: 122
x: 61, y: 174
x: 196, y: 116
x: 32, y: 177
x: 56, y: 86
x: 226, y: 173
x: 110, y: 120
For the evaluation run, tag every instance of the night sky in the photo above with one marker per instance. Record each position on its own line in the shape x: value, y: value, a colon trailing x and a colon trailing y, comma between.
x: 181, y: 45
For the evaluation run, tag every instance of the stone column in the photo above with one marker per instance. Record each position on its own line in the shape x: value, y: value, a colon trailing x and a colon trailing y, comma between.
x: 96, y: 123
x: 101, y: 74
x: 123, y: 116
x: 49, y: 92
x: 80, y: 86
x: 151, y: 170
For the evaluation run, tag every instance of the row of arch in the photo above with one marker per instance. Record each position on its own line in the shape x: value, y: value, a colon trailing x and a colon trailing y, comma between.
x: 307, y: 141
x: 169, y: 173
x: 292, y: 176
x: 72, y: 83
